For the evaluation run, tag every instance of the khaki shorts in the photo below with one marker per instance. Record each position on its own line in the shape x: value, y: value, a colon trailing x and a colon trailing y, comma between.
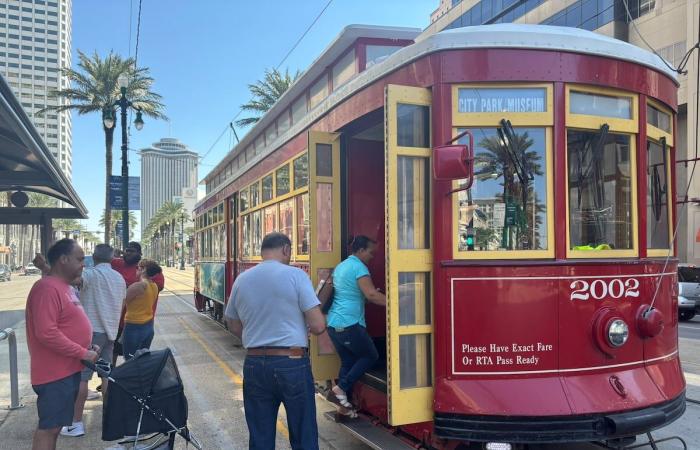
x: 106, y: 350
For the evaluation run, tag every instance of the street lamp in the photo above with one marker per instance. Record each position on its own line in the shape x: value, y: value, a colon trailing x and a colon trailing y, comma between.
x: 183, y: 216
x: 108, y: 120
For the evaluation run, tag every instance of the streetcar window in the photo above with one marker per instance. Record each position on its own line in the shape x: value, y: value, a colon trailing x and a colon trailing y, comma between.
x: 324, y: 160
x: 254, y: 195
x: 298, y: 109
x: 283, y: 122
x: 267, y: 188
x: 658, y: 118
x: 243, y: 200
x: 506, y: 207
x: 413, y: 202
x: 318, y: 91
x: 270, y: 220
x: 413, y: 125
x: 414, y: 298
x: 378, y: 53
x: 256, y: 227
x: 286, y: 218
x: 246, y: 235
x: 282, y: 180
x: 301, y: 171
x: 415, y: 356
x: 344, y: 69
x: 303, y: 232
x: 600, y: 105
x: 600, y: 190
x: 657, y: 197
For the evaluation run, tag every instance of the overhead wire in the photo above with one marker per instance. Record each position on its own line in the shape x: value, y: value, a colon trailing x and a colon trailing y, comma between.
x: 296, y: 44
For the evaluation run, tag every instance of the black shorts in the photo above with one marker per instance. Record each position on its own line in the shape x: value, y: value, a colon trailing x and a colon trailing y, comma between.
x: 56, y: 401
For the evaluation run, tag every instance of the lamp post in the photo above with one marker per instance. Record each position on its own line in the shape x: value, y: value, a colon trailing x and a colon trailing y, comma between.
x: 183, y: 216
x: 108, y: 119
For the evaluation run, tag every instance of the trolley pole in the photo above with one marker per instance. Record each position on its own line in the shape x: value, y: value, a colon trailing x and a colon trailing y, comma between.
x: 182, y: 241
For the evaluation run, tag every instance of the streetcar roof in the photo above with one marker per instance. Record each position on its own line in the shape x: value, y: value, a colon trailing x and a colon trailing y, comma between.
x: 524, y: 36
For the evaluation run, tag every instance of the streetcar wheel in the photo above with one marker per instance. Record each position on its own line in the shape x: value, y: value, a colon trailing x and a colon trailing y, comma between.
x: 686, y: 315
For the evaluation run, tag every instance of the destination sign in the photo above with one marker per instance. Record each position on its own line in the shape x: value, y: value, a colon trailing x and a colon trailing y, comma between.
x: 494, y: 100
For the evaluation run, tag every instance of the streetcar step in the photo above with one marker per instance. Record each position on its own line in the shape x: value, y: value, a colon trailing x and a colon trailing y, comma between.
x: 372, y: 435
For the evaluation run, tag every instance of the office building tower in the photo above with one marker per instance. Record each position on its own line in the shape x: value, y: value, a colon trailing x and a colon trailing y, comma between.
x: 168, y: 172
x: 35, y: 44
x: 669, y: 27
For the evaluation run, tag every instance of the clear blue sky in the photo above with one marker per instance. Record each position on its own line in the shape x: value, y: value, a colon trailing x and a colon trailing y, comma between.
x: 203, y: 54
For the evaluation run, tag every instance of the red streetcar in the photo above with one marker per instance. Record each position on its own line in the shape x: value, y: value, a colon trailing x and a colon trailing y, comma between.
x: 520, y: 182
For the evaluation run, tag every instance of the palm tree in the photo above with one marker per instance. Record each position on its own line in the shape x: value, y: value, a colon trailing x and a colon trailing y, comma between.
x: 114, y: 217
x: 265, y: 93
x: 94, y: 89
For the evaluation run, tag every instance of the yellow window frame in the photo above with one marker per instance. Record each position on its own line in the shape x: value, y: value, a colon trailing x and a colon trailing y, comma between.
x: 519, y: 119
x: 663, y: 252
x: 657, y: 133
x: 622, y: 253
x: 574, y: 120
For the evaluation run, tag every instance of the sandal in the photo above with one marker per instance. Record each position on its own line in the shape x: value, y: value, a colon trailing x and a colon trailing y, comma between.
x: 339, y: 399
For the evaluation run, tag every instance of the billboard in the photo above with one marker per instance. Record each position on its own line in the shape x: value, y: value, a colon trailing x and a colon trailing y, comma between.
x: 115, y: 192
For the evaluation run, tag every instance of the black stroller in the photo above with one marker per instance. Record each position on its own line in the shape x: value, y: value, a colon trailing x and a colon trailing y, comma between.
x: 145, y: 396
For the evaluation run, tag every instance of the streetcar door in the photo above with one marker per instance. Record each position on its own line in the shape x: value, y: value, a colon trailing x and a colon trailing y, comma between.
x: 408, y: 255
x: 325, y: 248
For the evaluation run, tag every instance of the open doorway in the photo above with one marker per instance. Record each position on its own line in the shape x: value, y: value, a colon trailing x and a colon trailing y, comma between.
x: 362, y: 153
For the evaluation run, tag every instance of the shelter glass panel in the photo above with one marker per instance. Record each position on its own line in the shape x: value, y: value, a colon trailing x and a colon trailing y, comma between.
x: 657, y: 197
x: 413, y: 202
x: 303, y: 230
x: 414, y: 298
x: 413, y: 125
x: 600, y: 191
x: 592, y: 104
x: 415, y: 355
x: 506, y: 207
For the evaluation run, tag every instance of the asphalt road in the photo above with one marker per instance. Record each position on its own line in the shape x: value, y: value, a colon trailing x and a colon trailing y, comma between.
x: 210, y: 363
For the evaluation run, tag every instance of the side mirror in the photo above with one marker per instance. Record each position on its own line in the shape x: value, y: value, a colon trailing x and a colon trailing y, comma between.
x: 455, y: 161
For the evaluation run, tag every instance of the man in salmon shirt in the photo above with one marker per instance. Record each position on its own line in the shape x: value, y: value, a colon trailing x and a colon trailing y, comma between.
x: 59, y: 336
x: 127, y: 267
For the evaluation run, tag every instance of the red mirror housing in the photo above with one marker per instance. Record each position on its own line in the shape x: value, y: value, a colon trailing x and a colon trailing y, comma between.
x: 455, y: 161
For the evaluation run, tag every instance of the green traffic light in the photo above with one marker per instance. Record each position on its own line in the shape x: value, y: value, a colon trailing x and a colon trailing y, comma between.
x: 470, y: 240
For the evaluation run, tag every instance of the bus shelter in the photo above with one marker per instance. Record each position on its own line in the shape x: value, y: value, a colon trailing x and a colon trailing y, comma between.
x: 26, y: 165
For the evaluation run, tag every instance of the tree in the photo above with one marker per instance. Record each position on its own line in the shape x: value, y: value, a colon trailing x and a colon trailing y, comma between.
x: 114, y: 217
x: 265, y: 93
x: 94, y: 89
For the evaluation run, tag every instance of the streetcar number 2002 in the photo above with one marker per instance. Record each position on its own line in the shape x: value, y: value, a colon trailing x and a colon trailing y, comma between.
x: 600, y: 289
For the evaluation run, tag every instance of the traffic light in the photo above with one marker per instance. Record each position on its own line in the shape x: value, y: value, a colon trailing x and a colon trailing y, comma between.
x: 470, y: 239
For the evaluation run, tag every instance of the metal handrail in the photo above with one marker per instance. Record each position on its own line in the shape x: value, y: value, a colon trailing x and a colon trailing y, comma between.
x: 9, y: 334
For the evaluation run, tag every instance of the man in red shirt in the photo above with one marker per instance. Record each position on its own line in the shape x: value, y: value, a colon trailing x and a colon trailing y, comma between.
x: 59, y: 336
x: 127, y: 267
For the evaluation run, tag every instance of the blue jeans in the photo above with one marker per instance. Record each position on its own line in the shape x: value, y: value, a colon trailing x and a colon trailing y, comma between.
x: 269, y: 381
x: 135, y: 337
x: 357, y: 354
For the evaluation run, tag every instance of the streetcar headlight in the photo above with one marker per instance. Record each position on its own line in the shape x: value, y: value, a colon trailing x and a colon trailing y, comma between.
x: 498, y: 446
x: 618, y: 332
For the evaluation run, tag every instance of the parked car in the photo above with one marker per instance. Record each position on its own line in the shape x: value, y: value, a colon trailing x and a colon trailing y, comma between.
x: 5, y: 273
x: 31, y: 269
x: 688, y: 291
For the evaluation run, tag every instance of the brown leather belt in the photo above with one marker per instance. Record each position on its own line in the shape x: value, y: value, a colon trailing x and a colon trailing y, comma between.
x: 293, y: 352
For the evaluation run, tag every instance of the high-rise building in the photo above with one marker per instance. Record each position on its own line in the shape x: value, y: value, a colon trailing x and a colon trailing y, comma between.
x: 35, y: 43
x: 670, y: 27
x: 168, y: 170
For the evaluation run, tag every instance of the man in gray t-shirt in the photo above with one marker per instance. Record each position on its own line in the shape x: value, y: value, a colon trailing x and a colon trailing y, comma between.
x: 272, y: 308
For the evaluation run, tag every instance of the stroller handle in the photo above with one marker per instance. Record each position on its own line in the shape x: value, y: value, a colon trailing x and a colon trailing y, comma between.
x: 102, y: 367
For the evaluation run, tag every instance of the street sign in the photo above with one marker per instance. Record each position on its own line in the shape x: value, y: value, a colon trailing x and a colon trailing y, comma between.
x: 119, y: 228
x: 115, y: 193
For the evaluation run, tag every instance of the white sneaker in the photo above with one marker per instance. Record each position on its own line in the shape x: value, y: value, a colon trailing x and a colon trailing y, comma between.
x: 93, y: 395
x: 75, y: 430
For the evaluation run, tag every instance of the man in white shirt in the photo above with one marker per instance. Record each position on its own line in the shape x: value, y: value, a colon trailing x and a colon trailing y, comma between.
x: 102, y: 294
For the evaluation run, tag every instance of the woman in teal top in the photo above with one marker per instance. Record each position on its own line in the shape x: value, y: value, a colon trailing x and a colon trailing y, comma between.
x: 346, y: 318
